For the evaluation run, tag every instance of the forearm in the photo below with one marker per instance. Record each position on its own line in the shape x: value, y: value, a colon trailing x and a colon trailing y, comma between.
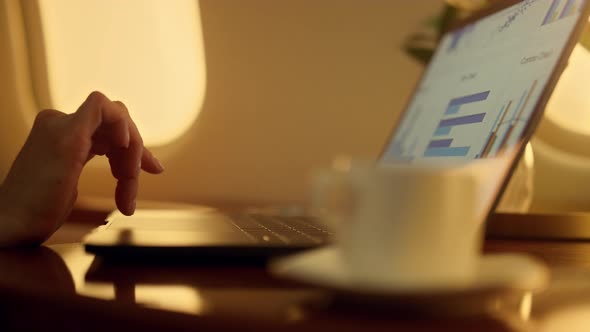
x: 15, y: 229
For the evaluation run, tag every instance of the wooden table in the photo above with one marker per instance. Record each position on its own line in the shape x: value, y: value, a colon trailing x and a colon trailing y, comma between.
x: 60, y: 287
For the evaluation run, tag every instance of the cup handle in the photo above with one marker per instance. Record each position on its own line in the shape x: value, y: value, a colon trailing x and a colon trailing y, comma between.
x: 332, y: 198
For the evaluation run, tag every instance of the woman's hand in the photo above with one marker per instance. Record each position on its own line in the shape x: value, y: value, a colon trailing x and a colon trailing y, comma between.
x: 41, y: 187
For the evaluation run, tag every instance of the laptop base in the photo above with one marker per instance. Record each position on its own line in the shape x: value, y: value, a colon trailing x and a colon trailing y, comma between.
x: 557, y: 226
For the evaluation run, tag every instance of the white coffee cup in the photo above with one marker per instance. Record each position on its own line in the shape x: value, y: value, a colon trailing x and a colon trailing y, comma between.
x: 404, y: 225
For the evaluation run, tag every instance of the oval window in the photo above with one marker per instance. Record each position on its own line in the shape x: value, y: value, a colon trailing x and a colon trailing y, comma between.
x: 569, y: 106
x: 147, y: 53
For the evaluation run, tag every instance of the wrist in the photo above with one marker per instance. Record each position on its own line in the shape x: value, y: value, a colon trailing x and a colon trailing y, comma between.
x: 15, y: 228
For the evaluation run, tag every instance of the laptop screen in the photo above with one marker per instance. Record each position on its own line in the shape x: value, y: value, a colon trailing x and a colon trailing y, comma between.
x: 483, y: 84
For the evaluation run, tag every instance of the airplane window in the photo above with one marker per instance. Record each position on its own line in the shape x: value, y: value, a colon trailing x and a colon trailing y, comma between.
x: 569, y: 106
x: 146, y: 53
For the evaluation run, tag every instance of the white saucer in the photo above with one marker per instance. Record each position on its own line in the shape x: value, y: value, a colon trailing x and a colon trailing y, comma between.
x: 497, y: 274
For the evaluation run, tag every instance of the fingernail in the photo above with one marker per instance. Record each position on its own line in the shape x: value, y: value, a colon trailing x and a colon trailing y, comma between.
x: 159, y: 164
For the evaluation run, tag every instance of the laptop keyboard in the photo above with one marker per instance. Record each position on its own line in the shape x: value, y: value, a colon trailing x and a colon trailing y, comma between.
x: 281, y: 230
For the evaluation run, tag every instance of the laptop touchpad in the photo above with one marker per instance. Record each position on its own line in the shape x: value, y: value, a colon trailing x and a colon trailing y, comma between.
x: 207, y: 220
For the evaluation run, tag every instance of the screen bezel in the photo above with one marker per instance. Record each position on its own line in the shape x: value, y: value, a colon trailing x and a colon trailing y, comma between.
x: 540, y: 105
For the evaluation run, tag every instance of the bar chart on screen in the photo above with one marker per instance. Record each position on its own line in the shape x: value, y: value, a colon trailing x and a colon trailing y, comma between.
x: 458, y: 116
x: 510, y: 123
x: 561, y: 9
x: 481, y: 93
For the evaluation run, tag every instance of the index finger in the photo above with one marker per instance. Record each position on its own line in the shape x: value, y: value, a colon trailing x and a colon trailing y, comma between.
x: 125, y: 166
x: 98, y: 111
x: 111, y: 121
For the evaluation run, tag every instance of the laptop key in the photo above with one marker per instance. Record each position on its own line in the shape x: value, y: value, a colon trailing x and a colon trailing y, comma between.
x: 274, y: 229
x: 289, y: 230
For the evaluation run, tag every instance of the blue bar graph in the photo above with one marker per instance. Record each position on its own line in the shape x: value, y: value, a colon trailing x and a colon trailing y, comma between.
x: 442, y: 131
x: 463, y: 120
x: 551, y: 13
x: 445, y: 126
x: 518, y: 106
x: 470, y: 99
x: 490, y: 140
x: 516, y: 117
x: 447, y: 152
x: 497, y: 122
x: 443, y: 143
x: 453, y: 109
x: 455, y: 104
x: 442, y: 146
x: 567, y: 10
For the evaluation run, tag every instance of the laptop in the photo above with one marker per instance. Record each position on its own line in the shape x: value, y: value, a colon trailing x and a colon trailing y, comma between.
x: 480, y: 97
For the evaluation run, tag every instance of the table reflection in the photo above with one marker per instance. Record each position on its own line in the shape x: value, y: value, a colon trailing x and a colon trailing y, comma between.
x: 250, y: 292
x: 35, y: 269
x: 202, y: 289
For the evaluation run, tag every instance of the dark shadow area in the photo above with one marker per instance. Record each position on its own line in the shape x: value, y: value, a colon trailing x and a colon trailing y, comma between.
x: 35, y: 269
x: 208, y: 274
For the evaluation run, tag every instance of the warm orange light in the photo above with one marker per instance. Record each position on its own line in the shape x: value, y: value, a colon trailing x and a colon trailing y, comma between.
x: 179, y: 298
x: 147, y: 53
